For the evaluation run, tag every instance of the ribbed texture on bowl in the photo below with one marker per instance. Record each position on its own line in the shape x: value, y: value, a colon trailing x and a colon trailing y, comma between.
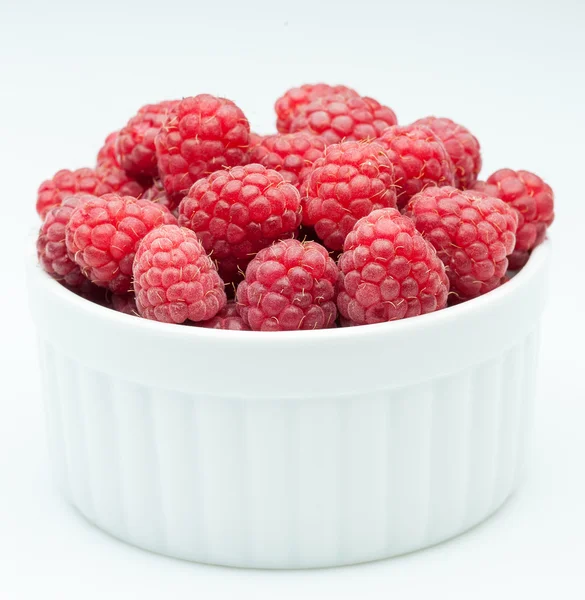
x: 289, y: 483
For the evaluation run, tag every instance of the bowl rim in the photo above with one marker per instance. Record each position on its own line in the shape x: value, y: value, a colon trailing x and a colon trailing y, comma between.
x: 537, y: 260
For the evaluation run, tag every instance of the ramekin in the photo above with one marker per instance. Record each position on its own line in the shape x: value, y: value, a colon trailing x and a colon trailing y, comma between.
x: 293, y: 449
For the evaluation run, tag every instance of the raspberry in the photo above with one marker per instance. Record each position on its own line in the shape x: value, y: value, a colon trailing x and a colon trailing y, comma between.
x: 239, y: 211
x: 290, y: 285
x: 174, y: 279
x: 113, y: 180
x: 202, y: 134
x: 292, y: 155
x: 336, y: 118
x: 89, y: 291
x: 343, y: 322
x: 135, y: 145
x: 533, y: 201
x: 255, y: 139
x: 473, y: 233
x: 156, y: 193
x: 462, y: 147
x: 102, y: 180
x: 347, y: 183
x: 51, y: 246
x: 307, y: 234
x: 389, y: 271
x: 227, y: 318
x: 103, y: 234
x: 295, y: 100
x: 419, y: 158
x: 107, y: 154
x: 124, y: 303
x: 381, y: 112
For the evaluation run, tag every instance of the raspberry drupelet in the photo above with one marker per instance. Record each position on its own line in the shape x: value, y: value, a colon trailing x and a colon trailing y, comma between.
x: 533, y: 201
x: 389, y: 271
x: 290, y: 285
x: 174, y: 279
x: 103, y: 233
x: 237, y: 212
x: 462, y: 147
x: 419, y: 159
x: 473, y: 234
x: 202, y: 134
x: 347, y: 183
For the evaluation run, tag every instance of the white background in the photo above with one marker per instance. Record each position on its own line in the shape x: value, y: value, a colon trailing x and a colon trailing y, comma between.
x: 511, y: 71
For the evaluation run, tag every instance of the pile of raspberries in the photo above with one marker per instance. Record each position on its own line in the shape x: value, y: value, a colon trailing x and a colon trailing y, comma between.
x: 341, y: 218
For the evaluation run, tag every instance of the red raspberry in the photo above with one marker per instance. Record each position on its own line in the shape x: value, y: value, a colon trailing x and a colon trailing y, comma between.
x: 255, y: 139
x: 135, y: 145
x: 239, y: 211
x: 174, y: 279
x: 156, y: 193
x: 102, y: 180
x: 107, y: 154
x: 51, y: 246
x: 295, y: 100
x: 290, y: 285
x: 112, y: 180
x: 419, y: 158
x: 462, y: 147
x: 337, y: 118
x: 381, y: 112
x: 473, y: 233
x: 292, y: 154
x: 307, y: 234
x: 89, y: 291
x: 227, y: 318
x: 124, y: 303
x: 103, y: 234
x: 389, y: 271
x: 202, y: 134
x: 347, y: 183
x: 343, y: 322
x: 532, y: 199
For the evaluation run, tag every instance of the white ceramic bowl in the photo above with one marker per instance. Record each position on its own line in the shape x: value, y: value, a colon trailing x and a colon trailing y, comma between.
x: 294, y: 449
